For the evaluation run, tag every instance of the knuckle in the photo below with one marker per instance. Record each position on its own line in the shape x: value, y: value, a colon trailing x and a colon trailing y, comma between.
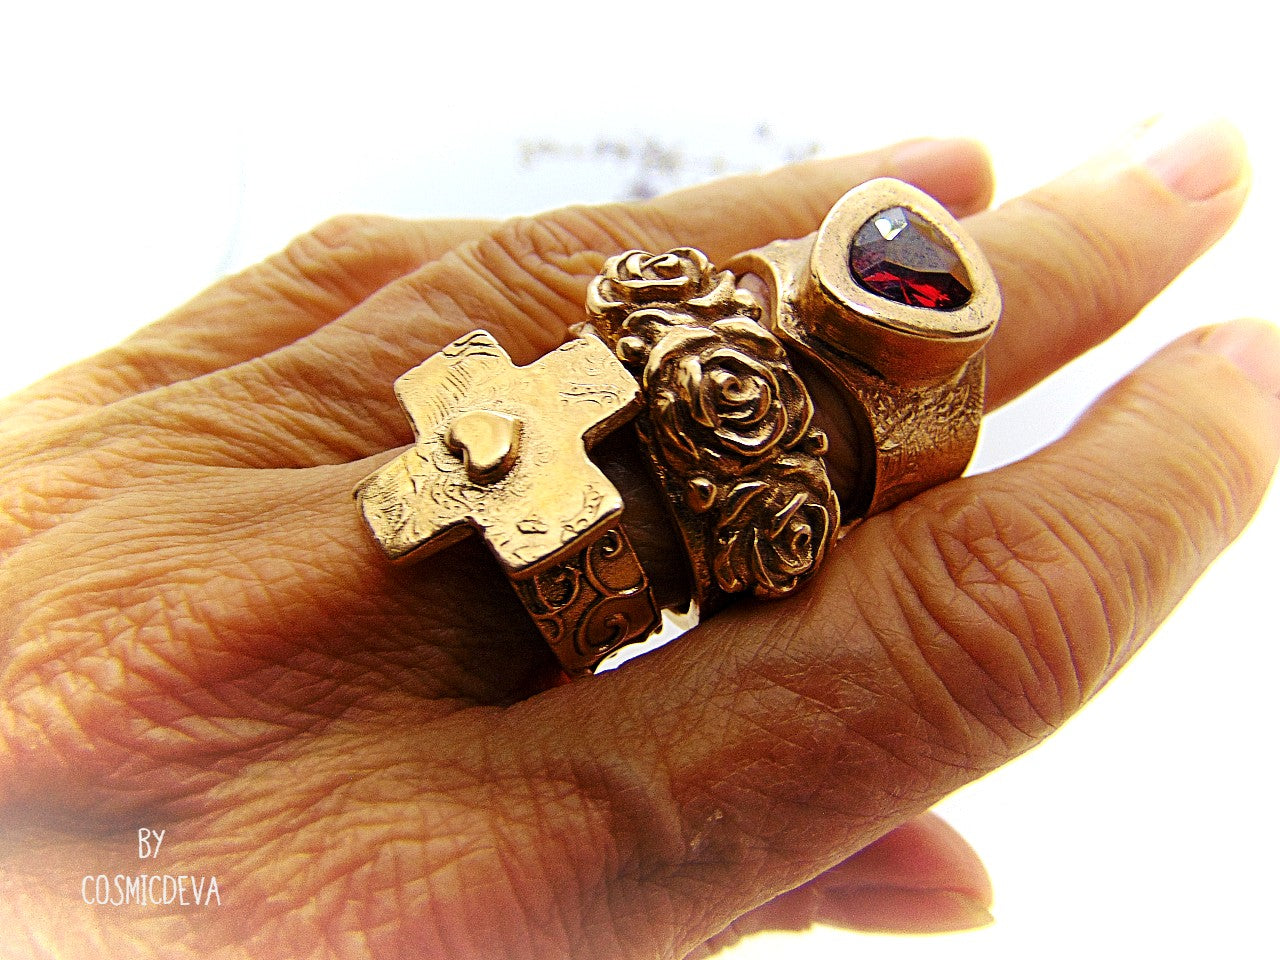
x: 1211, y: 476
x: 535, y: 270
x: 1010, y: 610
x: 43, y: 486
x: 347, y: 231
x: 560, y: 251
x: 528, y: 277
x: 330, y: 265
x: 23, y: 511
x: 330, y: 249
x: 1069, y: 265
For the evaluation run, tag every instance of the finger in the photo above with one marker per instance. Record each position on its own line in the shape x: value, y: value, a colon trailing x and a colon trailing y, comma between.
x: 527, y: 282
x: 946, y: 637
x: 317, y: 277
x: 1079, y: 257
x: 737, y: 213
x: 919, y: 878
x: 329, y: 397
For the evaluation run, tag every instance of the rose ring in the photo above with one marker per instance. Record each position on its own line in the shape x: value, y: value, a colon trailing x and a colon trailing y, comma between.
x: 889, y: 300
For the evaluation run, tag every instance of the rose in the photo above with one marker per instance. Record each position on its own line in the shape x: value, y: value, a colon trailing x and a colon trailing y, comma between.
x: 637, y: 278
x: 723, y: 398
x: 639, y: 296
x: 773, y: 532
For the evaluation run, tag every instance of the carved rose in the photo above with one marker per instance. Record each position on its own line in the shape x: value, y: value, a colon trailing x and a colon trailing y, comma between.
x: 638, y: 278
x: 639, y: 296
x: 772, y: 533
x: 723, y: 397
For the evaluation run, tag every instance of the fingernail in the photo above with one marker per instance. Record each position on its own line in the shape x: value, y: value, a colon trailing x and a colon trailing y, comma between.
x: 904, y: 910
x: 1254, y: 347
x: 1196, y: 162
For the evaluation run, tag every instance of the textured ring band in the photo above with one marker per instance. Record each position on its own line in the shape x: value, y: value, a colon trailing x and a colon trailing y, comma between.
x: 727, y: 426
x: 891, y: 300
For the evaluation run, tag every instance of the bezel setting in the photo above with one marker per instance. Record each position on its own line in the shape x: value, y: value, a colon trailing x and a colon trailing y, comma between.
x: 897, y: 339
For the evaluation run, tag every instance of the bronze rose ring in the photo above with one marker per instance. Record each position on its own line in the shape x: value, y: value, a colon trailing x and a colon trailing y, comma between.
x: 888, y: 303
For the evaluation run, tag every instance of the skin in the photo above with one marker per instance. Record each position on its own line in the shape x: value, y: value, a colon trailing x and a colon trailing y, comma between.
x: 199, y: 635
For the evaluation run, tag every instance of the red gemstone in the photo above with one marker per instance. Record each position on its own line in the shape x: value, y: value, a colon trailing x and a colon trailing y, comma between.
x: 902, y: 257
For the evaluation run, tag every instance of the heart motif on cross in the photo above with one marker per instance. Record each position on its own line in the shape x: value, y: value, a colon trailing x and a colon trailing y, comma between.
x: 488, y: 443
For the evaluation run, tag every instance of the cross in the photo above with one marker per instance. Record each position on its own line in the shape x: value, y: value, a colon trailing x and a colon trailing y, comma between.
x: 501, y: 449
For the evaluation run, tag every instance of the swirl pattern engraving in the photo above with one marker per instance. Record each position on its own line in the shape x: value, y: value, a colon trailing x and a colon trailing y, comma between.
x: 591, y: 602
x: 728, y: 425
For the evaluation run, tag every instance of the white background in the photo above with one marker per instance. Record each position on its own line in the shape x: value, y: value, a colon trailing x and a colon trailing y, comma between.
x: 147, y: 151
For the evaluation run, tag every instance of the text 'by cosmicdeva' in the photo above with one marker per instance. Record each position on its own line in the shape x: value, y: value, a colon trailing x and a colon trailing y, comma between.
x: 150, y: 889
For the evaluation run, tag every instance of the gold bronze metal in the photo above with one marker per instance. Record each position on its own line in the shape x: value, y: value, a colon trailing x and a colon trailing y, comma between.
x: 727, y: 426
x: 501, y: 449
x: 726, y: 421
x: 912, y: 376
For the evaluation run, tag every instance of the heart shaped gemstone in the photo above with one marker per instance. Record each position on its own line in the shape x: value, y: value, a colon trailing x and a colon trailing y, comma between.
x: 902, y: 257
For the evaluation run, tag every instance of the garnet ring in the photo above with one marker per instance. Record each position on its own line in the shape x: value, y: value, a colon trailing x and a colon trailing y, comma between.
x: 892, y: 302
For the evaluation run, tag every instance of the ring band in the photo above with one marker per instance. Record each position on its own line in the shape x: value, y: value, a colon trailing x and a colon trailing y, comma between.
x: 891, y: 300
x: 888, y: 299
x: 727, y: 424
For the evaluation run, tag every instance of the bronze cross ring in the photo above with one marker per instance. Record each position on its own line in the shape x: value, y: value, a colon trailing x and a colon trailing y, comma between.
x: 501, y: 450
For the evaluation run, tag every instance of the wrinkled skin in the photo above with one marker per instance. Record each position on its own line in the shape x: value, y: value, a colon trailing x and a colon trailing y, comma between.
x: 199, y: 636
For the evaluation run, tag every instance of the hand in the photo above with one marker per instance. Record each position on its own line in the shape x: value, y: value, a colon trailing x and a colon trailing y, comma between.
x: 200, y: 637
